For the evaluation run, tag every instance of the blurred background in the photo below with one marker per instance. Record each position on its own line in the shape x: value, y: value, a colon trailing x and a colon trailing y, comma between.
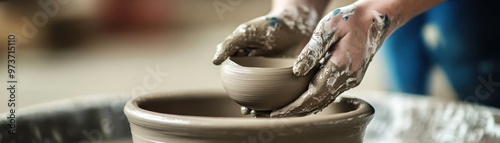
x: 86, y: 47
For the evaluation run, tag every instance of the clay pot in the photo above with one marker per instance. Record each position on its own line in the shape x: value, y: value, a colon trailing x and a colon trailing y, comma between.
x: 211, y: 117
x: 262, y: 83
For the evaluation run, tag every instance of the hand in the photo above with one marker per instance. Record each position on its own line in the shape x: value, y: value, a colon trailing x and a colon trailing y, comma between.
x: 270, y: 35
x: 343, y: 43
x: 279, y: 33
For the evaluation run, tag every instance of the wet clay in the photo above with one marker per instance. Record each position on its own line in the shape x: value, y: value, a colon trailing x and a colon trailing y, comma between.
x: 278, y: 35
x: 341, y: 68
x: 261, y: 83
x: 211, y: 117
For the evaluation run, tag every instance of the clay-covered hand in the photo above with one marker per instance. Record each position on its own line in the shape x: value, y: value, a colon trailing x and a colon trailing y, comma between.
x: 265, y: 36
x: 343, y: 44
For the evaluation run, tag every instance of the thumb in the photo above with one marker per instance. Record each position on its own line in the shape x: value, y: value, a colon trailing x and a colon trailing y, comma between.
x: 239, y: 39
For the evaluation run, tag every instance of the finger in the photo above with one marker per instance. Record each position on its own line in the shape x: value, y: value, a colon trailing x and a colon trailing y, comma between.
x: 240, y: 38
x: 315, y: 98
x: 324, y: 36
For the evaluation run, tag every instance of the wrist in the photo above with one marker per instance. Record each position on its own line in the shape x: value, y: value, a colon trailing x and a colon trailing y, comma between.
x: 399, y: 12
x: 301, y: 17
x: 311, y: 9
x: 391, y: 8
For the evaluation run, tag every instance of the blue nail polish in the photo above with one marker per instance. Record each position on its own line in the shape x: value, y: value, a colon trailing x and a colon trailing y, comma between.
x: 273, y: 21
x: 336, y: 11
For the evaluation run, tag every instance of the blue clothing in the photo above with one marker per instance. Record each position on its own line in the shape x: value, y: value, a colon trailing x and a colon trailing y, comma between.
x: 461, y: 37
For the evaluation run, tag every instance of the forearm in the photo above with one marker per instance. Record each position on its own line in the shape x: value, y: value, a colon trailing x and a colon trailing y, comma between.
x: 400, y: 11
x: 310, y: 7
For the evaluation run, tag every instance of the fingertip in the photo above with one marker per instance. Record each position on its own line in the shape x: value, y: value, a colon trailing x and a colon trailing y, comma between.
x: 298, y: 69
x: 296, y: 73
x: 308, y: 58
x: 217, y: 60
x: 301, y: 67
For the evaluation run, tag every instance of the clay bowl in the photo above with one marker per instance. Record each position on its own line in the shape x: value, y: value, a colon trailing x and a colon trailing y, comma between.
x: 262, y: 83
x: 211, y: 117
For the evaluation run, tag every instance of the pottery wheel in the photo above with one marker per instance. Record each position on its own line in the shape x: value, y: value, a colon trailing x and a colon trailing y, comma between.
x: 398, y: 118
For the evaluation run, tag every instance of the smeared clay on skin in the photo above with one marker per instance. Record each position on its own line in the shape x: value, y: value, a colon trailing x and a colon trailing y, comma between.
x: 302, y: 19
x: 321, y: 40
x: 269, y: 35
x: 328, y: 84
x: 345, y: 11
x: 333, y: 78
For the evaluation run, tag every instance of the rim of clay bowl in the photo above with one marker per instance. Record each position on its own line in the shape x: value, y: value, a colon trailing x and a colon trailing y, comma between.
x: 231, y: 61
x: 191, y: 125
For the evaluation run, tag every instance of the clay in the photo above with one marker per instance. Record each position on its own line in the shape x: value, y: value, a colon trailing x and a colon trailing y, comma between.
x: 278, y: 34
x: 262, y: 83
x: 211, y: 117
x: 328, y: 85
x: 341, y: 70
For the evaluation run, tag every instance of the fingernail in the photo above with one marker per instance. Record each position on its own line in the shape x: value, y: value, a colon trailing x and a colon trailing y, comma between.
x: 300, y: 68
x: 336, y: 11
